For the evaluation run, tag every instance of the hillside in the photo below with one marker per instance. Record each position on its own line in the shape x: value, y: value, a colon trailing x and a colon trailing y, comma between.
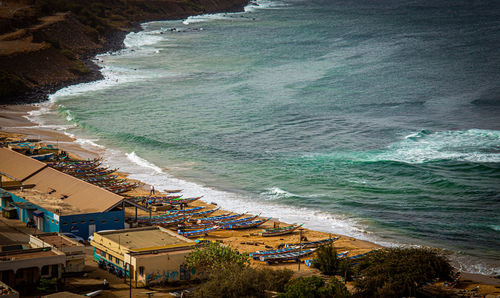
x: 46, y: 44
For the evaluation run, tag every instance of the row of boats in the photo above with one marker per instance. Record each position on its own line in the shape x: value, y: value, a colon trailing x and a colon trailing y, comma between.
x: 196, y: 221
x: 92, y: 172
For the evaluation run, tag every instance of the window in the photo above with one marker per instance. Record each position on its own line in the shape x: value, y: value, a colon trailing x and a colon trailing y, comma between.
x: 52, y: 220
x: 83, y: 222
x: 103, y: 221
x: 73, y: 223
x: 110, y: 257
x: 141, y: 270
x: 116, y: 220
x: 47, y: 217
x: 45, y: 270
x: 91, y: 221
x: 97, y: 251
x: 103, y: 254
x: 117, y: 261
x: 65, y: 223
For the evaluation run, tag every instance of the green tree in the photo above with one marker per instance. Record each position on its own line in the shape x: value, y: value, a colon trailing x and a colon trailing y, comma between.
x: 326, y: 259
x: 214, y: 257
x: 315, y: 287
x: 234, y: 281
x: 396, y: 272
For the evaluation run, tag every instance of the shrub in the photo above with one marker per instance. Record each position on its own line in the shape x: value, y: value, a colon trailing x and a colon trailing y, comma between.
x: 214, y: 257
x: 314, y: 286
x: 236, y: 281
x: 398, y: 272
x: 326, y: 259
x: 47, y: 285
x: 345, y: 269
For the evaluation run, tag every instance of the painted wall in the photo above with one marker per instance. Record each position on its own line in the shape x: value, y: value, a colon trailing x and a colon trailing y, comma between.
x: 161, y: 268
x: 78, y: 224
x: 50, y: 221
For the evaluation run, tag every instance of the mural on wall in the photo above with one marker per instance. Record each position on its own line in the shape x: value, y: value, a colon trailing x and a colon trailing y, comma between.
x: 162, y: 277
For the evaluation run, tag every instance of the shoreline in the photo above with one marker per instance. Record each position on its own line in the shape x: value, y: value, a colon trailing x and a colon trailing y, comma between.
x: 13, y: 120
x: 112, y: 40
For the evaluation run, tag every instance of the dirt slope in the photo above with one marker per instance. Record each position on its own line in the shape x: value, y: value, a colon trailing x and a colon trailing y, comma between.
x: 46, y: 44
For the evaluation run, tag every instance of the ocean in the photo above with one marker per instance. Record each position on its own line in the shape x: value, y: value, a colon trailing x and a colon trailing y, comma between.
x: 374, y: 119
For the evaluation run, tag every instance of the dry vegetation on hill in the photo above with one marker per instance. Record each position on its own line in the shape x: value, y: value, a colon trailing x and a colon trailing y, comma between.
x: 45, y: 44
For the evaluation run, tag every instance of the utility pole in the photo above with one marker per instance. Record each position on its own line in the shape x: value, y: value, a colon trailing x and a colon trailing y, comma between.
x: 300, y: 246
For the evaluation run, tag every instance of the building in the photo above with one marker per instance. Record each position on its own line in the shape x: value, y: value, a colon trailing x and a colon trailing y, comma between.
x: 53, y: 201
x: 23, y: 268
x: 74, y: 251
x: 151, y: 254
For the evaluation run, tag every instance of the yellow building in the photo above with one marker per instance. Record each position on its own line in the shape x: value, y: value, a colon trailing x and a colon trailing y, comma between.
x: 149, y: 255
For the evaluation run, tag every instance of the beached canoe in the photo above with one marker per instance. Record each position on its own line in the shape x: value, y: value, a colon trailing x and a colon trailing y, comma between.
x: 292, y: 247
x: 170, y: 222
x: 245, y: 224
x: 280, y: 231
x: 295, y: 256
x: 313, y: 244
x: 198, y: 232
x: 215, y: 218
x: 223, y: 221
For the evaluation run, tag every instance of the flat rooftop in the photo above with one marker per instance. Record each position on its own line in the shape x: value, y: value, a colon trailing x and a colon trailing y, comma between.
x: 145, y: 238
x: 52, y: 203
x: 56, y: 240
x: 26, y: 254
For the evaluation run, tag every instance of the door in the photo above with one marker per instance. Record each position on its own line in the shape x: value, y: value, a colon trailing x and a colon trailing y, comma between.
x: 91, y: 230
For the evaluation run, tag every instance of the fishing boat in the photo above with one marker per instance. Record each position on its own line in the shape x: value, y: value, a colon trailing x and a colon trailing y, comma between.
x: 160, y: 219
x: 220, y: 222
x: 170, y: 222
x: 295, y: 255
x: 245, y: 224
x: 216, y: 218
x: 199, y: 232
x: 203, y: 213
x: 256, y: 255
x: 181, y: 201
x: 165, y: 198
x: 42, y: 157
x: 190, y: 210
x: 314, y: 243
x: 280, y: 231
x: 292, y: 247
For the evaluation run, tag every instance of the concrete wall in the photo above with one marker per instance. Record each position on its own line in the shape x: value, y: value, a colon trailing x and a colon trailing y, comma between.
x: 75, y: 254
x: 78, y: 224
x: 160, y: 268
x: 50, y: 221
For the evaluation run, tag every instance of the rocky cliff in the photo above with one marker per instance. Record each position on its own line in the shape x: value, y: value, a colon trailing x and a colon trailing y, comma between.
x: 47, y: 44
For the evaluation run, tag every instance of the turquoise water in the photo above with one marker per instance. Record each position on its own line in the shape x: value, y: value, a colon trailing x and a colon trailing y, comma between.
x: 379, y: 119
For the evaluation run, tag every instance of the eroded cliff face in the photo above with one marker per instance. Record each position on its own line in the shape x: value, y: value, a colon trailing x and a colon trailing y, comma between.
x: 46, y: 44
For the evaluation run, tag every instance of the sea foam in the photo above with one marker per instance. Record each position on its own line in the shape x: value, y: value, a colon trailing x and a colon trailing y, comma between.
x: 474, y: 145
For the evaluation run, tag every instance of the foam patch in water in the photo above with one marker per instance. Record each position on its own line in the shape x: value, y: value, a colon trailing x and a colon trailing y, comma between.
x: 474, y: 145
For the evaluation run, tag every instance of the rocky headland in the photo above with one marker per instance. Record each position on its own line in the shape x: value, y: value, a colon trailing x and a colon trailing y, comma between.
x: 48, y: 44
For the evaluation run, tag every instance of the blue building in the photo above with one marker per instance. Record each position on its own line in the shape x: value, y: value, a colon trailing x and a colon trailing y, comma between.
x: 56, y: 202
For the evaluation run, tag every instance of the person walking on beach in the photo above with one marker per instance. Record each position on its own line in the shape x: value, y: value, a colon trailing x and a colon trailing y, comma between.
x: 152, y: 192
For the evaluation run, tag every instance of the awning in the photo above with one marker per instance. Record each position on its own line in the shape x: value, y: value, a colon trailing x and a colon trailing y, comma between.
x: 24, y: 205
x: 38, y: 213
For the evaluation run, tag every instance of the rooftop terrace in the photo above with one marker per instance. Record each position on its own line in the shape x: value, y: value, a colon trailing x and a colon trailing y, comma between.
x: 142, y: 238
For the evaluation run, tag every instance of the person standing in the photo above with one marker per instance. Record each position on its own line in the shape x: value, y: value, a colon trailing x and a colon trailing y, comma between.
x: 152, y: 192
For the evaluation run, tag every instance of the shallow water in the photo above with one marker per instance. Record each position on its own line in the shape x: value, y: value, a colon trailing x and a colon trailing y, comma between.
x: 379, y: 120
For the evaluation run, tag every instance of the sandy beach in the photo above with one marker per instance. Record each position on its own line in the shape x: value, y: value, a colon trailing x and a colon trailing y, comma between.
x: 13, y: 123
